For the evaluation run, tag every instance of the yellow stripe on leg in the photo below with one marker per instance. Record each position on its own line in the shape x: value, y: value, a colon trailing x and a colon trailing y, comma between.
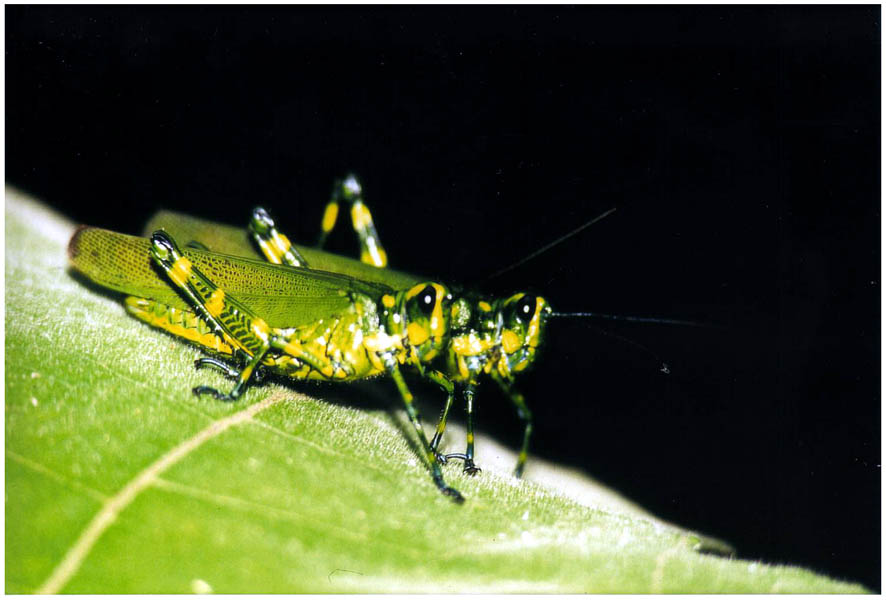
x: 216, y: 303
x: 180, y: 271
x: 360, y: 216
x: 329, y: 217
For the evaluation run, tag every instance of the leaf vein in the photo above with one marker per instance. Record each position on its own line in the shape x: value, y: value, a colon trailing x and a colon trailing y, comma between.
x: 44, y: 470
x: 114, y: 505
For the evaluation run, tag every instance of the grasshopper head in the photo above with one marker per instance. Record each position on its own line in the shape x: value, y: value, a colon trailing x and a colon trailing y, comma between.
x: 523, y: 318
x: 425, y: 318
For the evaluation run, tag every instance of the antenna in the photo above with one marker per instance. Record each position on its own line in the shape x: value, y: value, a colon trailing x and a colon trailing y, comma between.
x: 547, y: 247
x: 663, y: 368
x: 596, y: 315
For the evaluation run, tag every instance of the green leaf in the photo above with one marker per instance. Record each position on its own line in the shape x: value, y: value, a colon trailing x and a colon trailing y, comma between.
x: 119, y: 480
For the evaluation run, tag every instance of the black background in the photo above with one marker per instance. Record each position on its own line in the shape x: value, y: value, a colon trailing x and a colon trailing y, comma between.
x: 740, y: 145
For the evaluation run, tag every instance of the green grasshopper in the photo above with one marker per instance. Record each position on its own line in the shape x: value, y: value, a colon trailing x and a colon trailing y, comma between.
x: 309, y: 314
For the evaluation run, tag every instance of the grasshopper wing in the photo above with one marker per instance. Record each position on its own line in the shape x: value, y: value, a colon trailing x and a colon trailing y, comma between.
x: 283, y: 296
x: 227, y: 239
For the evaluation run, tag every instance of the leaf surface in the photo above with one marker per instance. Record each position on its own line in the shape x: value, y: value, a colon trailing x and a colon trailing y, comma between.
x: 119, y: 480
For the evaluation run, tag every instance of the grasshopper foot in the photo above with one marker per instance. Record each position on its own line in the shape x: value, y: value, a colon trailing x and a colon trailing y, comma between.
x: 471, y: 468
x: 222, y: 366
x: 205, y: 389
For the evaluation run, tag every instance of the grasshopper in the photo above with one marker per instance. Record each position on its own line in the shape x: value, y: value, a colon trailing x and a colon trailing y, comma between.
x: 308, y: 314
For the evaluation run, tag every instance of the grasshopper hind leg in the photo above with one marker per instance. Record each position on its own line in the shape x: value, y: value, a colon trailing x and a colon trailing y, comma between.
x: 227, y: 318
x: 227, y: 370
x: 274, y: 245
x: 350, y: 191
x: 525, y: 416
x: 277, y: 248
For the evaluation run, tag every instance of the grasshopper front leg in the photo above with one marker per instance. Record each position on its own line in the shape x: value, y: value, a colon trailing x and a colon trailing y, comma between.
x: 449, y: 387
x: 470, y: 468
x: 393, y: 370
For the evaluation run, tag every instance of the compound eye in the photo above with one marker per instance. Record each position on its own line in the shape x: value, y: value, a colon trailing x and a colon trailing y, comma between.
x: 526, y: 308
x: 426, y: 299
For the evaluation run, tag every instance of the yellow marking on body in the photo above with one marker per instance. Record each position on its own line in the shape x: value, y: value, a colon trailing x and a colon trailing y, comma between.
x: 260, y: 329
x: 293, y: 348
x: 470, y: 438
x: 470, y: 345
x: 358, y: 340
x: 438, y: 324
x: 388, y: 301
x: 534, y: 328
x: 414, y: 291
x: 484, y: 306
x: 360, y: 216
x: 510, y: 342
x: 327, y: 371
x: 376, y: 361
x: 216, y: 303
x: 463, y: 367
x: 381, y: 342
x: 180, y: 271
x: 329, y: 216
x: 417, y: 334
